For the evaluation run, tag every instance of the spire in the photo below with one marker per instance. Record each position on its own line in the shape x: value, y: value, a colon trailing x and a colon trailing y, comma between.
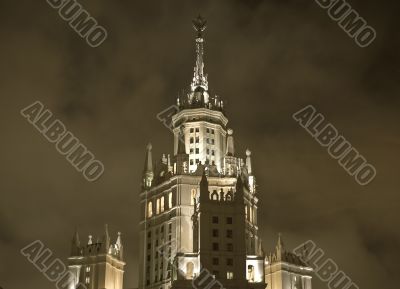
x: 248, y: 162
x: 199, y: 79
x: 106, y: 239
x: 148, y: 168
x: 280, y: 248
x: 204, y: 195
x: 230, y: 148
x: 75, y: 246
x: 119, y: 246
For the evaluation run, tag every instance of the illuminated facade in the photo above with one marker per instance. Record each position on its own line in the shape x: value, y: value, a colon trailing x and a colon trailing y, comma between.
x: 199, y: 206
x: 98, y: 264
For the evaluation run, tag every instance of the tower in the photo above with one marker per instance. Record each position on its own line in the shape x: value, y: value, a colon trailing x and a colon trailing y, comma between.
x: 286, y: 270
x: 199, y: 208
x: 98, y: 264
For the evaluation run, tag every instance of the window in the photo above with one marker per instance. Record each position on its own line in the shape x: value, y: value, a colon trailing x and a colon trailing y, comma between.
x: 197, y: 129
x: 191, y: 151
x: 148, y: 246
x: 229, y: 247
x: 197, y: 139
x: 208, y: 151
x: 212, y: 152
x: 229, y: 262
x: 149, y: 209
x: 148, y: 257
x: 215, y: 220
x: 170, y: 228
x: 229, y: 233
x: 158, y: 206
x: 215, y: 261
x: 250, y: 273
x: 189, y: 270
x: 87, y: 269
x: 87, y: 280
x: 191, y: 140
x: 216, y: 274
x: 229, y: 275
x: 208, y: 130
x: 197, y: 161
x: 215, y: 233
x: 193, y: 194
x: 170, y: 200
x: 197, y: 150
x: 208, y: 140
x: 212, y: 141
x: 215, y: 246
x: 191, y: 162
x: 162, y: 204
x: 191, y: 130
x: 229, y: 220
x: 212, y: 131
x: 149, y: 234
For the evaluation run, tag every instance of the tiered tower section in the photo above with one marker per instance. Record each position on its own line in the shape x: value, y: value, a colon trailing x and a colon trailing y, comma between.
x: 184, y: 194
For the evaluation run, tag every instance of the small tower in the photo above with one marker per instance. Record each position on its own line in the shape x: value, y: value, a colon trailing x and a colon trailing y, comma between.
x: 286, y: 270
x: 97, y: 265
x: 230, y: 161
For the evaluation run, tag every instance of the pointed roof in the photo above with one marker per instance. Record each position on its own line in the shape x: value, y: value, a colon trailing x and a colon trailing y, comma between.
x: 148, y: 163
x: 230, y: 146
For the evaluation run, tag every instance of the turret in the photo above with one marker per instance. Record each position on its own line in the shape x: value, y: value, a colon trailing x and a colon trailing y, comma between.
x: 75, y: 246
x: 181, y: 158
x: 204, y: 194
x: 148, y: 174
x: 105, y: 240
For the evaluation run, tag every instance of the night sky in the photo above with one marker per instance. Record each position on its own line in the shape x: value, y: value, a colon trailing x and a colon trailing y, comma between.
x: 266, y: 59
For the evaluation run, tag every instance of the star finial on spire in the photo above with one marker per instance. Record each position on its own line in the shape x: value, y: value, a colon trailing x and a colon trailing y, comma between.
x: 199, y: 24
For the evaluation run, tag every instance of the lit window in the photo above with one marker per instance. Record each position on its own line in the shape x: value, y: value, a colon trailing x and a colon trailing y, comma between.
x: 197, y: 150
x: 87, y: 280
x: 170, y: 200
x: 87, y: 269
x: 197, y: 139
x: 229, y: 275
x: 162, y: 204
x: 193, y: 194
x: 150, y: 209
x: 158, y: 206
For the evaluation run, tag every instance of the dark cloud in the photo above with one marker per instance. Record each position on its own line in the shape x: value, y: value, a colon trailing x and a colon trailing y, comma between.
x: 267, y: 59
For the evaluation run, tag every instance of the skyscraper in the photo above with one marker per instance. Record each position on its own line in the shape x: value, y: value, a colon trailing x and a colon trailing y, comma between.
x: 199, y: 206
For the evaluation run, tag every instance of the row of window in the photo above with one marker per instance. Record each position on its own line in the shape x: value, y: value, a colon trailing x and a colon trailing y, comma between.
x: 208, y: 130
x: 197, y: 151
x: 215, y: 220
x: 197, y: 140
x: 229, y: 247
x: 229, y: 274
x: 229, y: 261
x: 160, y: 205
x: 229, y: 233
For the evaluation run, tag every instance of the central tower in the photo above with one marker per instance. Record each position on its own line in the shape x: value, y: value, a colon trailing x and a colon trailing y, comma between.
x: 199, y: 205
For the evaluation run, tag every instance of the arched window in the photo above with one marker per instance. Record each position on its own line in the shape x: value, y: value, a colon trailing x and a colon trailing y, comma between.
x: 158, y: 206
x: 214, y: 196
x: 189, y: 270
x: 162, y: 204
x: 228, y: 196
x: 193, y: 194
x: 149, y: 209
x: 170, y: 200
